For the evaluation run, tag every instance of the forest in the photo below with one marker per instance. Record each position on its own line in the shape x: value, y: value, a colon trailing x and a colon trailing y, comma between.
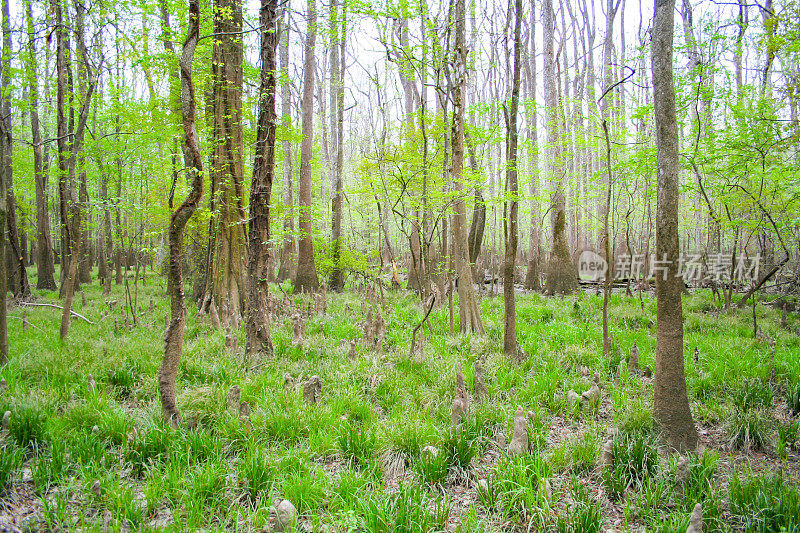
x: 400, y: 266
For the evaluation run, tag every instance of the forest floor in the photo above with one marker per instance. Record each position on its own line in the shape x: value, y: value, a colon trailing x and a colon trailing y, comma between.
x: 78, y: 457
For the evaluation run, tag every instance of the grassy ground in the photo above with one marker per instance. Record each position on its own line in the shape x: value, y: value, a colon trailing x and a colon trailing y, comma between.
x: 354, y: 461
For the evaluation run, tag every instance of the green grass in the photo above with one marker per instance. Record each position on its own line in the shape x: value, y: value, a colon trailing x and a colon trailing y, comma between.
x: 217, y: 473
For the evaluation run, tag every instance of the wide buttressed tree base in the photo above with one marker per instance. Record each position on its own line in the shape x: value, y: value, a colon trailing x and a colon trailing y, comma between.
x: 562, y: 274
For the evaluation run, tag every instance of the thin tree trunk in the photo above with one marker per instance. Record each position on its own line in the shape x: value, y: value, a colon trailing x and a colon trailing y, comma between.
x: 511, y: 203
x: 469, y: 313
x: 306, y: 278
x: 16, y: 274
x: 670, y: 400
x: 337, y: 132
x: 534, y: 253
x: 173, y: 339
x: 44, y: 250
x: 258, y: 263
x: 288, y: 252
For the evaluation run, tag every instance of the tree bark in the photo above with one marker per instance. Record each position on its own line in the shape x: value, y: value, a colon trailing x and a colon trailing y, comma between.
x: 670, y: 400
x: 258, y: 262
x: 306, y: 278
x: 562, y: 275
x: 45, y: 279
x: 226, y: 268
x: 288, y: 251
x: 173, y: 339
x: 16, y: 274
x: 511, y: 203
x: 532, y: 281
x: 336, y: 282
x: 469, y: 313
x: 70, y: 143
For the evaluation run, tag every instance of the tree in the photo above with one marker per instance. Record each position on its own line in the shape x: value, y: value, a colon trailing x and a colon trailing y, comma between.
x: 670, y: 400
x: 337, y: 132
x: 258, y: 262
x: 511, y: 203
x: 16, y: 274
x: 173, y: 339
x: 562, y: 275
x: 45, y: 277
x: 70, y: 143
x: 227, y: 252
x: 469, y: 314
x: 534, y: 251
x: 288, y: 254
x: 306, y: 278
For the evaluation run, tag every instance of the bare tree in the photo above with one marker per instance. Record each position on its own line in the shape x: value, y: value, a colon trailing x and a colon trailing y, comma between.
x: 306, y: 278
x: 512, y: 204
x: 173, y: 339
x: 670, y: 400
x: 258, y: 263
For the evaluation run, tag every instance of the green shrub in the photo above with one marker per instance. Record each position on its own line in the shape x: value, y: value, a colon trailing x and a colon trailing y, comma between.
x: 409, y: 510
x: 205, y: 492
x: 432, y: 467
x: 356, y: 443
x: 460, y: 447
x: 51, y: 466
x: 10, y: 460
x: 584, y: 514
x: 519, y: 486
x: 747, y: 429
x: 28, y: 424
x: 635, y: 460
x: 257, y: 472
x: 306, y: 490
x: 793, y: 398
x: 349, y: 490
x: 125, y: 377
x: 787, y: 435
x: 753, y: 394
x: 149, y: 445
x: 765, y: 503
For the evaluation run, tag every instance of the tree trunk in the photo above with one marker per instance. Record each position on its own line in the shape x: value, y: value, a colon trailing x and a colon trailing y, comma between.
x: 469, y: 313
x: 173, y: 339
x: 476, y: 227
x: 670, y: 400
x: 258, y: 263
x: 306, y: 278
x: 562, y: 275
x: 227, y: 250
x: 16, y: 274
x: 85, y: 264
x: 534, y: 251
x: 288, y: 252
x: 511, y: 203
x: 337, y: 132
x: 70, y: 144
x: 45, y: 278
